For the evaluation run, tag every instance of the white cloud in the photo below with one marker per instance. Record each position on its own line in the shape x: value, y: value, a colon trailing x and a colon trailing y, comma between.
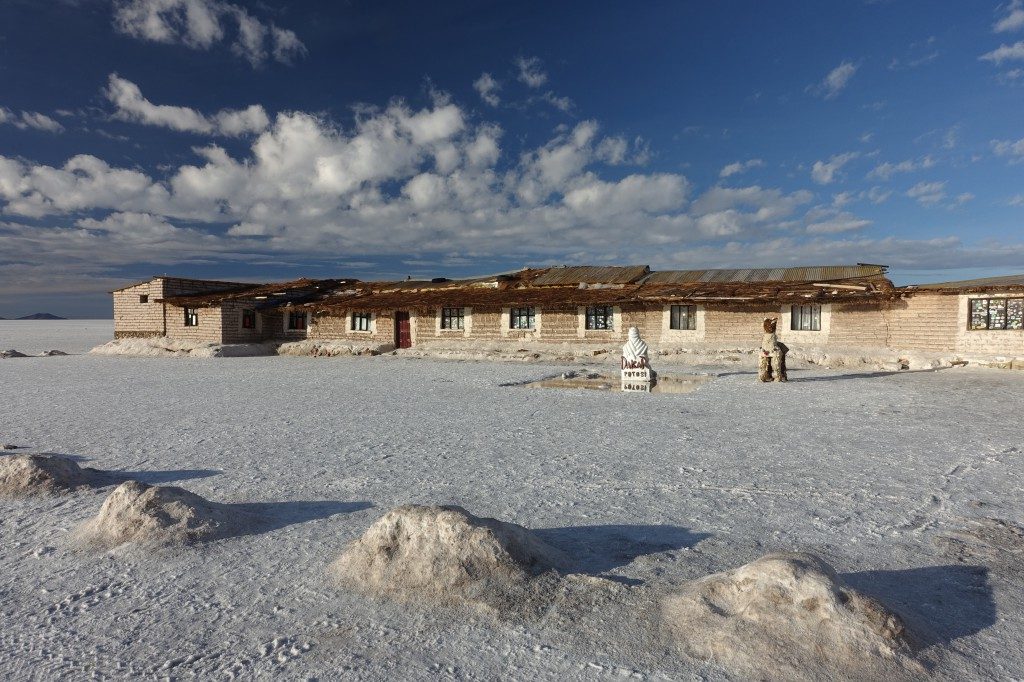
x: 30, y: 119
x: 1005, y: 53
x: 928, y: 193
x: 962, y: 199
x: 200, y: 24
x: 824, y: 172
x: 563, y: 104
x: 740, y: 167
x: 1011, y: 148
x: 1013, y: 20
x: 488, y: 88
x: 435, y: 179
x: 884, y: 171
x: 132, y: 106
x: 839, y: 222
x: 877, y: 195
x: 1016, y: 200
x: 835, y: 81
x: 530, y: 72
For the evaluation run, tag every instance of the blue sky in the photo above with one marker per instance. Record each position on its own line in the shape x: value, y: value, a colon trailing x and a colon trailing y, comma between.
x: 272, y: 140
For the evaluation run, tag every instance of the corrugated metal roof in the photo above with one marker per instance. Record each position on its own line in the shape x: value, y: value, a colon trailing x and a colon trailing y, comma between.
x: 590, y: 274
x: 982, y: 283
x: 227, y: 285
x: 820, y: 273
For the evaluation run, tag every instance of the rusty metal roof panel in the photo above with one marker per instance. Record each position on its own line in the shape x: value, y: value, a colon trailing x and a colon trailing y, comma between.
x: 976, y: 284
x: 591, y: 274
x: 823, y: 273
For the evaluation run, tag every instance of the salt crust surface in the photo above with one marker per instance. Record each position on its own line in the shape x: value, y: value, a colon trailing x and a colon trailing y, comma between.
x: 889, y: 477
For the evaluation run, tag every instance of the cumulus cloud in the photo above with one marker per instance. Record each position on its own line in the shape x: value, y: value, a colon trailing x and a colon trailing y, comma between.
x: 740, y: 167
x: 404, y: 179
x: 200, y: 24
x: 488, y: 87
x: 835, y: 81
x: 132, y: 106
x: 884, y: 171
x: 928, y: 193
x: 530, y: 72
x: 1005, y: 53
x: 30, y: 120
x: 824, y: 172
x: 1012, y: 19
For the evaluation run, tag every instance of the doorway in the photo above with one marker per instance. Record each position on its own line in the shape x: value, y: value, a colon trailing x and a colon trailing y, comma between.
x: 403, y: 329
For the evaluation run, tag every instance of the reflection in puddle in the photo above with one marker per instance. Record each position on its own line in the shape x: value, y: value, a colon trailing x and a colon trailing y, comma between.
x: 665, y: 383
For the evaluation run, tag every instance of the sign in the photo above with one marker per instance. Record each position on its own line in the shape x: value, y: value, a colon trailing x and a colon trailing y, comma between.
x: 636, y: 386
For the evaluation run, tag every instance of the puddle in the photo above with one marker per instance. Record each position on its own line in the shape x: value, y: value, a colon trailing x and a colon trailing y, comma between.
x: 665, y: 383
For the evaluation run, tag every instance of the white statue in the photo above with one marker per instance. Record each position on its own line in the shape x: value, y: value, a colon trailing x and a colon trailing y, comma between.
x: 634, y: 353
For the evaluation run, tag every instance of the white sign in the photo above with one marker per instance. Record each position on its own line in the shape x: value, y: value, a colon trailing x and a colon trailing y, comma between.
x: 637, y: 374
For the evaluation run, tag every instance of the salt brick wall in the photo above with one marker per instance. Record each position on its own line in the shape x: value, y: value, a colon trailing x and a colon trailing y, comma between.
x: 231, y: 323
x: 858, y: 326
x: 926, y: 323
x: 134, y: 319
x: 338, y: 327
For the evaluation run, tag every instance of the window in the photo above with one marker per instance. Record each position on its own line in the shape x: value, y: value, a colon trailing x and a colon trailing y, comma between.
x: 683, y: 317
x: 806, y: 318
x: 143, y: 298
x: 296, y: 321
x: 997, y: 313
x: 191, y: 317
x: 360, y: 322
x: 521, y: 318
x: 599, y: 317
x: 248, y: 319
x: 453, y: 318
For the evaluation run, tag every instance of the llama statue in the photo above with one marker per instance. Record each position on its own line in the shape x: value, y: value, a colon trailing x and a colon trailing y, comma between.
x: 771, y: 362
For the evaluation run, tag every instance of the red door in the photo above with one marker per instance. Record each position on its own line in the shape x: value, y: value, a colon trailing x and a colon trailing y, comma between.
x: 403, y: 330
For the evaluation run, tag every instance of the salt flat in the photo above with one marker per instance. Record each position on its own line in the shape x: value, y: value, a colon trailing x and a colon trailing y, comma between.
x: 868, y: 470
x: 71, y: 336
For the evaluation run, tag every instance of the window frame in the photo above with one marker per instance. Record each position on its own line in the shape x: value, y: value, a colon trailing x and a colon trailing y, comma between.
x: 248, y: 315
x: 517, y: 315
x: 796, y: 321
x: 594, y: 313
x: 361, y: 322
x: 191, y: 317
x: 143, y: 298
x: 293, y: 315
x: 691, y: 318
x: 1007, y: 320
x: 453, y: 319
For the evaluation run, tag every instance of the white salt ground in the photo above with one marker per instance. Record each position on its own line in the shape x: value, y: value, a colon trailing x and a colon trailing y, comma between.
x: 868, y: 470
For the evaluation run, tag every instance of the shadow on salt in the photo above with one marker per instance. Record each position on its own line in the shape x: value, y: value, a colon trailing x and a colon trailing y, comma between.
x: 664, y: 383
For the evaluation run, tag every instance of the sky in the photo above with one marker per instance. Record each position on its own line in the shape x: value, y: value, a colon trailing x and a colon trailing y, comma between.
x: 278, y: 139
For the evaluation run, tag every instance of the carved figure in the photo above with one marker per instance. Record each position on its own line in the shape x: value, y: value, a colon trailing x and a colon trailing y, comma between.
x: 634, y: 353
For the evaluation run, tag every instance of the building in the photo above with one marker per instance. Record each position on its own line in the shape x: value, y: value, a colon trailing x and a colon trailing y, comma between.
x: 826, y: 308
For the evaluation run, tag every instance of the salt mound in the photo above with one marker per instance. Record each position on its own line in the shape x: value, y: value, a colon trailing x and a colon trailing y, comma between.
x: 12, y: 354
x: 445, y: 554
x: 157, y: 516
x: 788, y: 616
x: 40, y: 475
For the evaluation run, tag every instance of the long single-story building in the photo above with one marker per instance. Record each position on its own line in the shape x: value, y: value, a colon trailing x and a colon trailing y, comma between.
x: 826, y: 308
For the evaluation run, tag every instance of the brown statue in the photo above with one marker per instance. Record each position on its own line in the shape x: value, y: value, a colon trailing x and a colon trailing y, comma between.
x: 771, y: 362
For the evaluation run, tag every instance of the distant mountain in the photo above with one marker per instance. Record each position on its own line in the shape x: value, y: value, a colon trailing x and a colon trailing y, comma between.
x: 42, y: 316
